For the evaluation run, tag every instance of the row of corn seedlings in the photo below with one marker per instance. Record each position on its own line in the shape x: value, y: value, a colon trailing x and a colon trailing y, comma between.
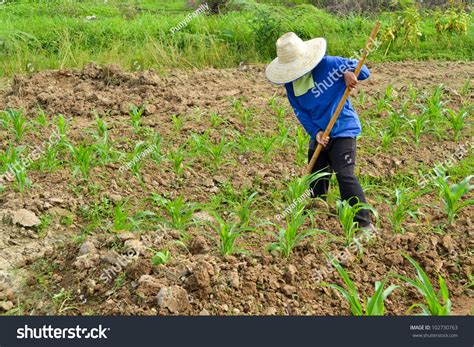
x: 436, y: 303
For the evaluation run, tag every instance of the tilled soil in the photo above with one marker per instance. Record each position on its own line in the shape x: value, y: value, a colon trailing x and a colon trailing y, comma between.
x: 61, y: 269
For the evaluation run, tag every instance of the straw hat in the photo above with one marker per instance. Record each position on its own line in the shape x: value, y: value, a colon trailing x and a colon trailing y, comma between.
x: 295, y: 58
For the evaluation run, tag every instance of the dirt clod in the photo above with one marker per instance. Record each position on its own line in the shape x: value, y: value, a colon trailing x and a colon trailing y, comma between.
x: 25, y: 218
x: 174, y: 298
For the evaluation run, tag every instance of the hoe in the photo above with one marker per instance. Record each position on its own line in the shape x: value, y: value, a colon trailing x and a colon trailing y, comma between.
x: 326, y: 133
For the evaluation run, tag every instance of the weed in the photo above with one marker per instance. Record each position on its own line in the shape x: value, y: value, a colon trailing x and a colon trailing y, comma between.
x: 216, y: 119
x: 45, y: 221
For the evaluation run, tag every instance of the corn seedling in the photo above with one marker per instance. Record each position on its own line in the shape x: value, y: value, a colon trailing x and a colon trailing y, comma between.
x: 103, y: 145
x: 451, y: 194
x: 22, y: 179
x: 228, y: 234
x: 292, y: 234
x: 456, y: 120
x: 13, y: 165
x: 272, y: 101
x: 121, y: 219
x: 135, y: 116
x: 402, y: 207
x: 374, y: 305
x: 346, y: 213
x: 49, y: 160
x: 138, y: 158
x: 267, y: 144
x: 15, y: 121
x: 62, y: 127
x: 156, y: 155
x: 301, y: 142
x: 199, y: 143
x: 161, y: 257
x: 436, y: 304
x: 10, y: 157
x: 177, y: 123
x: 280, y: 113
x: 243, y: 207
x: 395, y: 123
x: 417, y: 123
x: 242, y: 143
x: 178, y: 159
x: 82, y: 159
x: 41, y: 119
x: 298, y: 190
x: 179, y: 211
x: 246, y: 116
x: 435, y: 105
x: 386, y: 138
x: 217, y: 151
x: 283, y: 134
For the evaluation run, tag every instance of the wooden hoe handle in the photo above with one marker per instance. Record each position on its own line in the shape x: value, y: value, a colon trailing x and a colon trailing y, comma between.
x: 316, y: 153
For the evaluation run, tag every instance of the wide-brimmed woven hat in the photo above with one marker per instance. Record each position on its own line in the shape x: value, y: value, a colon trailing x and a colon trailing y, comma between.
x: 295, y: 58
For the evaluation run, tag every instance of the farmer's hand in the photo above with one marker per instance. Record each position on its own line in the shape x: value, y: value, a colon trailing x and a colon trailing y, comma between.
x: 350, y: 79
x: 321, y: 140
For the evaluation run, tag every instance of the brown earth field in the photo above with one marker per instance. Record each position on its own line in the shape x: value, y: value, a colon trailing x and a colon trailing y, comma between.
x: 54, y: 257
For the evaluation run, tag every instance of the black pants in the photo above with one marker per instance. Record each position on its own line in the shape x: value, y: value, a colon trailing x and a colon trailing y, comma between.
x: 339, y: 157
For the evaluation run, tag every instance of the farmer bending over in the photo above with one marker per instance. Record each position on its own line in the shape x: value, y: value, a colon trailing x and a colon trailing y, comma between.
x: 314, y: 84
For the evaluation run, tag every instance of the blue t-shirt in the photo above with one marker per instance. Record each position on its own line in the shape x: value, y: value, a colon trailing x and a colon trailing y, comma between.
x: 315, y: 108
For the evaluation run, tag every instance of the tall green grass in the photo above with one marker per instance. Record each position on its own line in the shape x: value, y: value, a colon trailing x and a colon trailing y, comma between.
x: 56, y: 34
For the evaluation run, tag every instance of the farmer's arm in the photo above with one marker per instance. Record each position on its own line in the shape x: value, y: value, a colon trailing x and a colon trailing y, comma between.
x: 303, y: 117
x: 345, y: 64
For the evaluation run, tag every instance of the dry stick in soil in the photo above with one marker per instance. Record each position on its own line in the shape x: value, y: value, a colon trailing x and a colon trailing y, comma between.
x: 315, y: 156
